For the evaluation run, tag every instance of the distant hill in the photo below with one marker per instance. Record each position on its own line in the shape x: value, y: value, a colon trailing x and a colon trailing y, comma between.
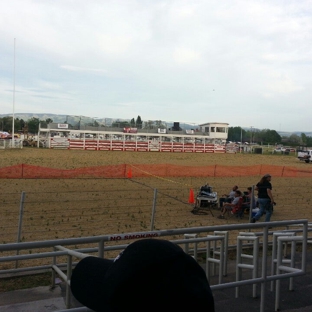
x: 72, y: 119
x: 60, y: 118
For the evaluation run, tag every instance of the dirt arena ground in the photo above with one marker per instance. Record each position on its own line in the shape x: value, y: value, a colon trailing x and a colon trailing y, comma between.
x: 60, y: 208
x: 68, y: 159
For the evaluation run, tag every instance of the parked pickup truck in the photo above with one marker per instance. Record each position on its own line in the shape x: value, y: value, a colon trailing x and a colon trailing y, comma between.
x: 305, y: 156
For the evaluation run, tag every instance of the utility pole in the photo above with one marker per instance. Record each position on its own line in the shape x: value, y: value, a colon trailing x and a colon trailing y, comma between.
x: 13, y: 116
x: 241, y: 141
x: 241, y: 135
x: 251, y: 134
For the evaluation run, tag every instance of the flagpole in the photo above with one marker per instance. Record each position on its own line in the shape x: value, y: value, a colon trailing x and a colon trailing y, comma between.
x: 13, y: 98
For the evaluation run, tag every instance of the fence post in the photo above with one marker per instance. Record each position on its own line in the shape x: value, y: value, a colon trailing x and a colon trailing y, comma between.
x: 20, y: 222
x: 252, y: 202
x: 153, y: 209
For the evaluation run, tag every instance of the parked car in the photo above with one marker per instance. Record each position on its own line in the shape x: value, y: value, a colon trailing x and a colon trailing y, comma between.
x: 284, y: 150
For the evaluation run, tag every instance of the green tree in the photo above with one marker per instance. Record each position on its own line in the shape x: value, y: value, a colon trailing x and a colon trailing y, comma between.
x: 120, y: 124
x: 235, y: 134
x: 160, y: 124
x: 22, y: 124
x: 148, y: 124
x: 303, y: 138
x: 33, y: 125
x: 6, y: 124
x: 267, y: 136
x: 132, y: 123
x: 139, y: 122
x: 44, y: 123
x: 309, y: 141
x: 254, y: 135
x: 17, y: 125
x: 94, y: 123
x: 294, y: 139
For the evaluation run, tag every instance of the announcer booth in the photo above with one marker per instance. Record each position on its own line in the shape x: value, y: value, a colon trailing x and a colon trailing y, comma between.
x: 215, y: 130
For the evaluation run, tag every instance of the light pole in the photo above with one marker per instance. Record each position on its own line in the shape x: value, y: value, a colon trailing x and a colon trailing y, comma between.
x: 241, y: 135
x: 13, y: 116
x: 241, y: 140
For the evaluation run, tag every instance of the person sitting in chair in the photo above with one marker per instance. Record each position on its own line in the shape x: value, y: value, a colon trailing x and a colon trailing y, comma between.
x: 233, y: 206
x: 250, y: 200
x: 205, y: 190
x: 227, y: 198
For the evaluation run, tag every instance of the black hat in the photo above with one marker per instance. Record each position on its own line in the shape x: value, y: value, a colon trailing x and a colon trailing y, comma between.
x: 149, y: 275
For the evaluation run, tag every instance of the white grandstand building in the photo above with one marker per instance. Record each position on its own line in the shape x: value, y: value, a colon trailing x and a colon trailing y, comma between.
x: 208, y: 137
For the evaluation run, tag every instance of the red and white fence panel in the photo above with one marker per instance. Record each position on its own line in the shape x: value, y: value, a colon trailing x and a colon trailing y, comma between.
x: 139, y: 146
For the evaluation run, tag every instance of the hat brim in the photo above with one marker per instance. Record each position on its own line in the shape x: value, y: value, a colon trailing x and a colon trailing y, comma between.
x: 86, y: 282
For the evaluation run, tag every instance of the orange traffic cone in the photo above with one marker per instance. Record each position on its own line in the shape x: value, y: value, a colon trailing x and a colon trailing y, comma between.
x: 130, y: 173
x: 191, y: 197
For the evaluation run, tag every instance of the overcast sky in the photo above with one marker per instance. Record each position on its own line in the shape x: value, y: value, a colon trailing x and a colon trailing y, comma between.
x: 243, y: 62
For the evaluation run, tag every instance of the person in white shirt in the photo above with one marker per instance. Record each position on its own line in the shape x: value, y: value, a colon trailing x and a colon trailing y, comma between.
x: 231, y: 206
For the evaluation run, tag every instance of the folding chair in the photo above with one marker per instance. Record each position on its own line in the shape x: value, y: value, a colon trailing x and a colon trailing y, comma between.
x: 237, y: 210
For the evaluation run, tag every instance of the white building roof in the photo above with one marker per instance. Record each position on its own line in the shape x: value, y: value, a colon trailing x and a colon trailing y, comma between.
x: 214, y: 122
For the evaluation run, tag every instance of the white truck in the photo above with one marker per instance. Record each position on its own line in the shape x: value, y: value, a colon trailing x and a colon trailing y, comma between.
x: 305, y: 156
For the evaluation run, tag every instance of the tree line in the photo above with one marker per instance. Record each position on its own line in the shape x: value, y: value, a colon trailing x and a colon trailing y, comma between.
x: 267, y: 136
x: 20, y: 125
x: 138, y: 123
x: 32, y: 125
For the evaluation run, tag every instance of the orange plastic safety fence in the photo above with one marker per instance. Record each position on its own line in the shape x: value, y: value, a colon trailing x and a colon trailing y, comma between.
x: 24, y: 171
x: 168, y: 170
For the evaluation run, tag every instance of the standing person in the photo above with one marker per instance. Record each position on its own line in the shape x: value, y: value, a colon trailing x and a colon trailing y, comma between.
x: 265, y: 198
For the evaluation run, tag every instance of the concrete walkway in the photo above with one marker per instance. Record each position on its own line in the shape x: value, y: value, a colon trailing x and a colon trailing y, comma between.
x: 32, y: 300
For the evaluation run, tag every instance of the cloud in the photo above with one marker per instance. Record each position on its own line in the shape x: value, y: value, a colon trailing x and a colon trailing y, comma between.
x: 81, y: 69
x: 160, y: 59
x: 185, y: 56
x: 282, y: 85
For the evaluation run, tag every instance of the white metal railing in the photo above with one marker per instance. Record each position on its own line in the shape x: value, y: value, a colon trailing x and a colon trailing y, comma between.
x: 7, y: 143
x: 59, y: 249
x: 72, y: 253
x: 240, y: 263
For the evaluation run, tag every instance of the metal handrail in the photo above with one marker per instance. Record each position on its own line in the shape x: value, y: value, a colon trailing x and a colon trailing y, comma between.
x: 60, y: 250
